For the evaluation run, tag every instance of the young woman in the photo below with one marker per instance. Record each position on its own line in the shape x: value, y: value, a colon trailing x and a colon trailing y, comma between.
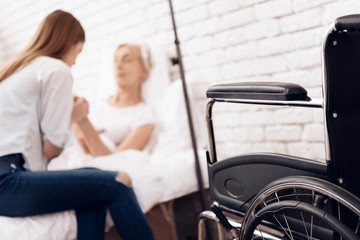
x: 124, y: 118
x: 36, y: 108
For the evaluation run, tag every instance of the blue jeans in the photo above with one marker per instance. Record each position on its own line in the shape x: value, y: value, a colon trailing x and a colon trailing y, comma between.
x: 88, y: 191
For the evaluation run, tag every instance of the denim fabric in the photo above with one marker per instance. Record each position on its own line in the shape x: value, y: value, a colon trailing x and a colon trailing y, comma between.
x: 89, y: 191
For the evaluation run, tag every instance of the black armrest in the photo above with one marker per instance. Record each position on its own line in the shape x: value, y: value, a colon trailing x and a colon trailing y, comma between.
x: 349, y: 23
x: 259, y: 91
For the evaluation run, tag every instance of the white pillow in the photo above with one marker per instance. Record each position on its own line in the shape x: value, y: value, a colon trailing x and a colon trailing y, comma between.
x: 172, y: 131
x: 155, y: 87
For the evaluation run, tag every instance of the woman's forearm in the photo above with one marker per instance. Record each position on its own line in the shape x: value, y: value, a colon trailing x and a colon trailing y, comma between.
x: 93, y: 142
x: 50, y: 150
x: 137, y: 138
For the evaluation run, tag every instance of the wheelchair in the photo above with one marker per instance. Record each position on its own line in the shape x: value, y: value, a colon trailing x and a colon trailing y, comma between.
x: 278, y: 196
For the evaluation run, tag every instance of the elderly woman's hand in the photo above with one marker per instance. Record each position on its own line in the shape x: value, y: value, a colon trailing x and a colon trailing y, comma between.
x: 80, y: 109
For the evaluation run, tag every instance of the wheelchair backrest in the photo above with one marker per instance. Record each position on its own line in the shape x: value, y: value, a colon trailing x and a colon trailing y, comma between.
x: 341, y: 66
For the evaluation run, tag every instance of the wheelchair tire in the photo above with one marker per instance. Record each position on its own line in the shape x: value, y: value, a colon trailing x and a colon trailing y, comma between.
x: 284, y: 211
x: 302, y: 208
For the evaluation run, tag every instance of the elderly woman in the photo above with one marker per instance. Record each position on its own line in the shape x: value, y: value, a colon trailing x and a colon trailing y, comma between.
x: 124, y: 118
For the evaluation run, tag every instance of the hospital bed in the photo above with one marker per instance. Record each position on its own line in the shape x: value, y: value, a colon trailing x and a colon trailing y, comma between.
x: 163, y: 173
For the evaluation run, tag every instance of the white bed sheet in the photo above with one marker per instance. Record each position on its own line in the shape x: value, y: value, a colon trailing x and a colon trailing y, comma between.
x: 156, y: 178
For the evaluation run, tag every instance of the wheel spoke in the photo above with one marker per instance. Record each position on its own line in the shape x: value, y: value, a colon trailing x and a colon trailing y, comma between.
x: 311, y: 225
x: 357, y: 227
x: 277, y: 197
x: 288, y: 227
x: 296, y: 195
x: 260, y: 231
x: 339, y: 215
x: 287, y: 224
x: 302, y: 215
x: 277, y: 220
x: 303, y: 220
x: 313, y: 197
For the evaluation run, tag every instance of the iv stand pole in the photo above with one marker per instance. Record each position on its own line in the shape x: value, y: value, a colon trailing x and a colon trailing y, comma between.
x: 191, y: 127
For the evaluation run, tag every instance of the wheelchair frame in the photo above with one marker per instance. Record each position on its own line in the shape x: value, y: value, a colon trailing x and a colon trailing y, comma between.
x: 334, y: 180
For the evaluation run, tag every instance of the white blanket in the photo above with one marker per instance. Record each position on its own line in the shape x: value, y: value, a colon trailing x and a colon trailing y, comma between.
x: 156, y: 178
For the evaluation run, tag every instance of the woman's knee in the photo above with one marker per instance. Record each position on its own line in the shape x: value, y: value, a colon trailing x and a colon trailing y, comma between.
x: 124, y: 178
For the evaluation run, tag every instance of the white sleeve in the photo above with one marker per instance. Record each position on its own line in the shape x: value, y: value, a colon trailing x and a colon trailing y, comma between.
x: 144, y: 117
x: 56, y: 104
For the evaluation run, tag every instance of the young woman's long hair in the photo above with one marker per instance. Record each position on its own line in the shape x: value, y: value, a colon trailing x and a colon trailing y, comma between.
x: 54, y: 37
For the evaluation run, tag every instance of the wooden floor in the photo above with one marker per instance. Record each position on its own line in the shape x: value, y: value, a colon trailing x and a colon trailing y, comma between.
x: 161, y: 220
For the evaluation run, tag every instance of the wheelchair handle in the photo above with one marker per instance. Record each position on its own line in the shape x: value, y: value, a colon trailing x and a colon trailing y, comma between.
x: 349, y: 23
x: 270, y: 91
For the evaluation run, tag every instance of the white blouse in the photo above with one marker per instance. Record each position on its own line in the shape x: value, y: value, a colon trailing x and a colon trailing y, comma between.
x: 117, y: 122
x: 35, y: 104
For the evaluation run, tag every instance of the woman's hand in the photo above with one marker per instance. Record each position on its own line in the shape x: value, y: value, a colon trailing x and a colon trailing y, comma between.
x: 84, y: 131
x: 80, y: 109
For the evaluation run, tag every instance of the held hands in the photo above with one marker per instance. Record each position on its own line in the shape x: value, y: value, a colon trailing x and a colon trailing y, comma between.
x: 79, y: 113
x: 80, y: 126
x: 80, y: 109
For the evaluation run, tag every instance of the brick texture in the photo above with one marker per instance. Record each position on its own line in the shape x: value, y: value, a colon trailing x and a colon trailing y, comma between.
x: 222, y: 41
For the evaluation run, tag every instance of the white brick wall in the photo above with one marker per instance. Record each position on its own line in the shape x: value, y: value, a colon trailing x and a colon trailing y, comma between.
x: 278, y: 8
x: 222, y: 41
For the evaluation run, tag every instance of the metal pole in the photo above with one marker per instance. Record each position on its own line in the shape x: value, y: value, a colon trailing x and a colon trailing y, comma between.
x: 190, y: 121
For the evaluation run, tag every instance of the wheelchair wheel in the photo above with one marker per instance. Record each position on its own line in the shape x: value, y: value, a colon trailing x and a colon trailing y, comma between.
x: 302, y: 208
